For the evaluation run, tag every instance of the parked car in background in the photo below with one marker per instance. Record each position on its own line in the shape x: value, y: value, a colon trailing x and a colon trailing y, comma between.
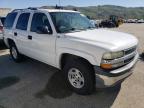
x: 132, y: 20
x: 94, y: 23
x: 68, y: 41
x: 140, y: 21
x: 107, y: 23
x: 2, y: 20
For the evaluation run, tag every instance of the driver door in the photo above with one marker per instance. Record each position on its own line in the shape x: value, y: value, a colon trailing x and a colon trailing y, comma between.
x: 41, y: 45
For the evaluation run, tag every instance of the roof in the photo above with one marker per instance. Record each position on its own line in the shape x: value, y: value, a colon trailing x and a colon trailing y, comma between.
x: 49, y: 10
x: 59, y: 10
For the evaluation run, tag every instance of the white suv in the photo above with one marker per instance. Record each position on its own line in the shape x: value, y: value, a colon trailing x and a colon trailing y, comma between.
x: 66, y: 39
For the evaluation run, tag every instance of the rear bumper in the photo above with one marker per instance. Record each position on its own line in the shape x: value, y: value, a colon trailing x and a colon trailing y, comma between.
x: 105, y: 78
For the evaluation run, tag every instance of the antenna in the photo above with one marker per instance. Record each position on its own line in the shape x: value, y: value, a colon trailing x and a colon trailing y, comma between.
x: 59, y: 3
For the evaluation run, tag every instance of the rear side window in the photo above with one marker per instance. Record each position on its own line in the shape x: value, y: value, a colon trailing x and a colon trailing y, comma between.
x: 39, y: 19
x: 10, y: 20
x: 22, y: 22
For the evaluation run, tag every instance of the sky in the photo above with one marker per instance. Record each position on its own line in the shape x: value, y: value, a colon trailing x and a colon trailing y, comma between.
x: 37, y: 3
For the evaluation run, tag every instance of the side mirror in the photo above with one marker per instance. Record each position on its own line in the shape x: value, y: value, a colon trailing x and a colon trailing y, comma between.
x: 43, y: 30
x: 62, y: 28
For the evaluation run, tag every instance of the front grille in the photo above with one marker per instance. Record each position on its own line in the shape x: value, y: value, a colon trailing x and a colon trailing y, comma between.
x: 128, y: 60
x: 130, y: 50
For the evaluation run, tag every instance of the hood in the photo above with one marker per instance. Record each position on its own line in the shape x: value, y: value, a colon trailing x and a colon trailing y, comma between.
x: 111, y: 40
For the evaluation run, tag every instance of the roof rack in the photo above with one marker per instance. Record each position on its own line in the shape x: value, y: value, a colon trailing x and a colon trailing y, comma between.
x: 17, y: 10
x: 30, y: 8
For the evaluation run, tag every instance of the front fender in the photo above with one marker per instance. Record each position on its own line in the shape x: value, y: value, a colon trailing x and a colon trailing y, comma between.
x: 75, y: 52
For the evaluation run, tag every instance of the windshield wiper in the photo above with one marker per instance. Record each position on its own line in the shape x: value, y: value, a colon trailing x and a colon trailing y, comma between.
x: 91, y: 27
x: 73, y: 29
x: 76, y: 29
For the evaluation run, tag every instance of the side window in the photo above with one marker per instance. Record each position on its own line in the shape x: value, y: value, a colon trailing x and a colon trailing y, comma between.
x: 40, y: 20
x: 10, y: 20
x: 22, y: 22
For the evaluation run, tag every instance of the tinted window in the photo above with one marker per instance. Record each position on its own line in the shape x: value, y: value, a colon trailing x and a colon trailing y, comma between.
x: 10, y: 20
x: 39, y: 20
x: 22, y: 22
x: 3, y: 20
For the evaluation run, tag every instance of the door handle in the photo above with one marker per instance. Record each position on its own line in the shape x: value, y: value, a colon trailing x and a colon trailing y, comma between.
x: 15, y: 33
x: 29, y: 37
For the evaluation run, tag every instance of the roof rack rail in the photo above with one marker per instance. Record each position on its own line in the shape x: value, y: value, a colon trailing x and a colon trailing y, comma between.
x: 17, y: 10
x: 32, y: 8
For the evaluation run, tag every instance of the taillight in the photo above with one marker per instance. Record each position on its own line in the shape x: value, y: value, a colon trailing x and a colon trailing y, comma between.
x: 1, y: 28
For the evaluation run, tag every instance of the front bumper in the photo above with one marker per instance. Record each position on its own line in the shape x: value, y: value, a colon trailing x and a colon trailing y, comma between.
x: 106, y: 78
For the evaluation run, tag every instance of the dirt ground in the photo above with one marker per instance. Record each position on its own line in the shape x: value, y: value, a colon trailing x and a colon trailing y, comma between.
x: 32, y: 84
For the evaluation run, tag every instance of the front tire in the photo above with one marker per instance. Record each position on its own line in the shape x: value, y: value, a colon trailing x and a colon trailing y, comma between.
x: 16, y: 56
x: 80, y: 77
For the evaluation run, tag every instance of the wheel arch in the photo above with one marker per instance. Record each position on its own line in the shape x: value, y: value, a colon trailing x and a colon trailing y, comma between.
x: 9, y: 41
x: 68, y: 55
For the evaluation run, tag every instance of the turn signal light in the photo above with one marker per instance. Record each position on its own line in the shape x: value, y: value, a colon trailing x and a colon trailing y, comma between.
x: 106, y: 66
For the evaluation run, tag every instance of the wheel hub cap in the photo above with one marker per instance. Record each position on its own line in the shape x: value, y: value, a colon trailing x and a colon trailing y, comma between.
x: 76, y: 78
x: 14, y: 52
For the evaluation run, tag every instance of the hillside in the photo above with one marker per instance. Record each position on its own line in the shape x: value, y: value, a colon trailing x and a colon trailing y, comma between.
x: 100, y: 12
x: 103, y: 12
x: 4, y: 11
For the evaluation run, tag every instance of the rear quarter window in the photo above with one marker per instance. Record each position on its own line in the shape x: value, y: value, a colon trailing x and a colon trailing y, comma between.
x: 10, y: 20
x: 3, y: 20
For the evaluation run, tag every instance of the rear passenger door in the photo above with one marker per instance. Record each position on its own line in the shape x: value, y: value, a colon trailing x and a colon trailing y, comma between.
x: 21, y: 33
x: 42, y: 45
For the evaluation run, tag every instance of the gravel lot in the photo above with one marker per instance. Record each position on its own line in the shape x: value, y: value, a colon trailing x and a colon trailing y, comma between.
x: 32, y: 84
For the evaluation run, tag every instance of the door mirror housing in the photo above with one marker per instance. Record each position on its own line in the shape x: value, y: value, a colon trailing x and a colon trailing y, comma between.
x: 43, y: 30
x: 62, y: 28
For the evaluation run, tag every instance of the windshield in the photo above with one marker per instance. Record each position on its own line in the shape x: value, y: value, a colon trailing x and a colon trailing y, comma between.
x: 69, y: 22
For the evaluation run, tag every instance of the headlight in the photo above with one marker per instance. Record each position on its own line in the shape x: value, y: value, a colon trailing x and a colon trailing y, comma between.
x: 107, y: 59
x: 113, y: 55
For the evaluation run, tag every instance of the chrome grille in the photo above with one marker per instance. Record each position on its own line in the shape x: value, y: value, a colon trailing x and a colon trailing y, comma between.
x: 130, y: 50
x: 128, y: 60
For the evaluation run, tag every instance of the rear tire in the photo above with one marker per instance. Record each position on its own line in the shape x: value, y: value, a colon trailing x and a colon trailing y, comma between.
x: 16, y: 56
x: 80, y: 77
